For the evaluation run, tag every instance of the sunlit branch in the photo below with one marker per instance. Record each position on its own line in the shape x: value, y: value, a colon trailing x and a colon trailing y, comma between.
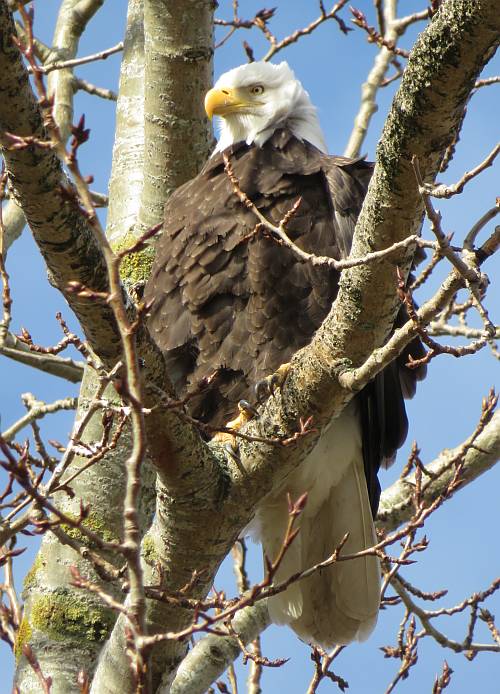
x: 38, y: 410
x: 63, y: 64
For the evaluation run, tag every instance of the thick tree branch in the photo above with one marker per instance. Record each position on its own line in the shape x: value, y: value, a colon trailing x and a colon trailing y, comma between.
x: 72, y: 18
x: 125, y: 184
x: 60, y: 229
x: 206, y: 499
x: 212, y: 654
x: 37, y: 410
x: 177, y: 63
x: 396, y: 501
x: 441, y: 71
x: 179, y: 49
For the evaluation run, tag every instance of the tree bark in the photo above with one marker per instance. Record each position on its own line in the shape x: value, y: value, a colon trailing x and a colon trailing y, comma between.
x: 60, y: 230
x: 177, y: 71
x: 204, y: 497
x: 211, y: 655
x: 72, y: 640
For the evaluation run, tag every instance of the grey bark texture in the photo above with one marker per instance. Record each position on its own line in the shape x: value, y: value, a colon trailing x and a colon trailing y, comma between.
x: 72, y: 19
x: 211, y: 655
x: 61, y: 232
x: 177, y: 68
x: 203, y: 497
x: 125, y: 184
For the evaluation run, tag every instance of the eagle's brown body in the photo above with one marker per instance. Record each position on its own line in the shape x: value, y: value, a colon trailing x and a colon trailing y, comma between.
x: 227, y: 297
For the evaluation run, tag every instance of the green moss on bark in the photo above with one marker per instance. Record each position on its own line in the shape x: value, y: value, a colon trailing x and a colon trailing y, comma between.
x: 135, y: 268
x: 94, y: 522
x: 149, y: 553
x: 23, y: 636
x: 30, y: 578
x: 62, y: 615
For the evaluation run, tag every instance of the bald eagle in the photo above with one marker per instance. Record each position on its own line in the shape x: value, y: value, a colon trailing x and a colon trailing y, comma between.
x: 229, y: 299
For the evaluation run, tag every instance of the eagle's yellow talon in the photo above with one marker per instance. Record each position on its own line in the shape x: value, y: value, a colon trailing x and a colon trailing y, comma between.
x: 246, y: 412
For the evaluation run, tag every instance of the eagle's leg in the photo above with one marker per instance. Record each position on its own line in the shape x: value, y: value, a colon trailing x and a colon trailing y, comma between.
x: 267, y: 386
x: 263, y: 389
x: 246, y: 412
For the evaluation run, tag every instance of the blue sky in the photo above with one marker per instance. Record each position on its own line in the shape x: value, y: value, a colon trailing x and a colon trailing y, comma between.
x: 464, y: 551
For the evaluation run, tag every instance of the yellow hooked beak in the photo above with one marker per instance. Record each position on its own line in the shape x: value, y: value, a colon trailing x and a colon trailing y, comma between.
x: 226, y: 100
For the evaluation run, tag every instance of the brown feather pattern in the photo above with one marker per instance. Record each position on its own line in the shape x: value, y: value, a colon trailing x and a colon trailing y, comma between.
x: 221, y: 299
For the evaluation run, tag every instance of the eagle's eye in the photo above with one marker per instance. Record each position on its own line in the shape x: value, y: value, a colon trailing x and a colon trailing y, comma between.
x: 256, y: 89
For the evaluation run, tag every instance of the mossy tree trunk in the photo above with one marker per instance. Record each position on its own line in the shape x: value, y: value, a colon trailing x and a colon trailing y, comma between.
x: 203, y: 499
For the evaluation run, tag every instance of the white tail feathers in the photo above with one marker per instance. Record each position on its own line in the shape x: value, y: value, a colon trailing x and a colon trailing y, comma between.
x: 337, y: 604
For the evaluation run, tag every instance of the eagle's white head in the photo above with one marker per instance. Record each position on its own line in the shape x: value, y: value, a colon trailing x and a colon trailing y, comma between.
x: 256, y: 99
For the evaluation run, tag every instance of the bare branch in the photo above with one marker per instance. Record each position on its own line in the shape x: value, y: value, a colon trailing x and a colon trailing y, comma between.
x: 85, y: 86
x: 480, y: 224
x: 38, y: 410
x: 373, y: 36
x: 277, y: 46
x: 322, y: 662
x: 66, y: 368
x: 444, y: 191
x: 404, y: 22
x: 211, y: 655
x: 469, y: 273
x: 425, y: 617
x: 434, y: 347
x: 439, y: 328
x: 74, y: 62
x: 59, y: 228
x: 487, y: 82
x: 395, y: 504
x: 369, y: 89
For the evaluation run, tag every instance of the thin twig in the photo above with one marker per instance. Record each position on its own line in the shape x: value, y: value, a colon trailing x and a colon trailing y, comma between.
x: 376, y: 37
x: 469, y: 273
x: 279, y: 233
x: 84, y: 85
x: 63, y: 64
x: 425, y: 618
x: 444, y: 191
x: 37, y: 411
x: 277, y: 46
